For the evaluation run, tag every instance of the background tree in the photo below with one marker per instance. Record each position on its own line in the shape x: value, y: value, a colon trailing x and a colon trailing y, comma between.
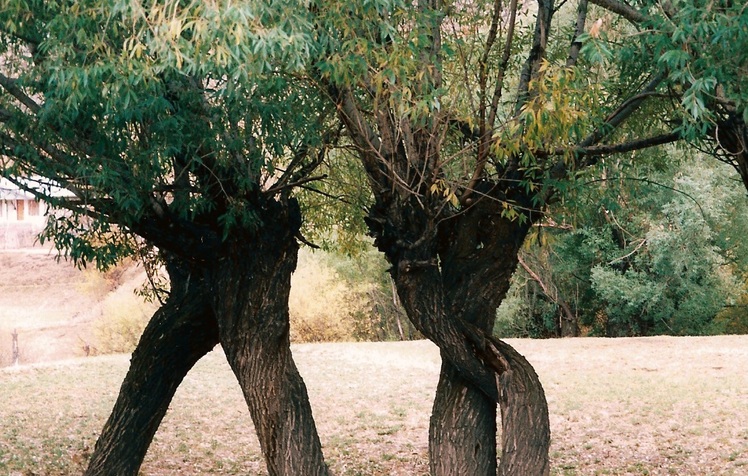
x: 634, y: 252
x: 143, y: 111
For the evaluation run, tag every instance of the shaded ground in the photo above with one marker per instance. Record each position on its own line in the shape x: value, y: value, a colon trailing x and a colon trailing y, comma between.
x: 645, y: 406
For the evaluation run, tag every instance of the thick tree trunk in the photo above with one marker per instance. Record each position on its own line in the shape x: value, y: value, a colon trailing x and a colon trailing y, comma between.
x: 251, y: 302
x: 462, y: 432
x: 181, y: 332
x: 489, y: 372
x: 526, y: 431
x: 450, y: 286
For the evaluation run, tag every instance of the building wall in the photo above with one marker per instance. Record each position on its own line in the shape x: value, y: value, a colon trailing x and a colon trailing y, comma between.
x: 22, y: 210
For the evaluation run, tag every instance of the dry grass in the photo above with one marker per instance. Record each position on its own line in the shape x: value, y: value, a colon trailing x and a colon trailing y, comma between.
x: 654, y: 406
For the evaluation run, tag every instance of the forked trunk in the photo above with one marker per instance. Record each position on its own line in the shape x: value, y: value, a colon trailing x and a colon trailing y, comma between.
x: 450, y: 288
x: 478, y: 373
x: 181, y: 332
x: 251, y: 302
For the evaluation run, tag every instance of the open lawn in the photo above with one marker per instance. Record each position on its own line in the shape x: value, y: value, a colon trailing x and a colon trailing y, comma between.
x: 645, y: 406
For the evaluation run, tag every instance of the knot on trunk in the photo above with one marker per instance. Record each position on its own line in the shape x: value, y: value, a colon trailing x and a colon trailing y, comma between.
x: 409, y: 266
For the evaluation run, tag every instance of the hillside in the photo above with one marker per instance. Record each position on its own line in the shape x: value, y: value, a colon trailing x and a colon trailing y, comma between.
x: 54, y: 307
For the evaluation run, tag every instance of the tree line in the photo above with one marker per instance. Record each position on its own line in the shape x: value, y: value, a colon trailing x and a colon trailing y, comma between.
x: 193, y: 133
x: 636, y: 252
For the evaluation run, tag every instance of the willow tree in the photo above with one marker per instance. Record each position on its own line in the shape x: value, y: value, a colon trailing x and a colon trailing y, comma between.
x: 468, y: 118
x: 141, y: 110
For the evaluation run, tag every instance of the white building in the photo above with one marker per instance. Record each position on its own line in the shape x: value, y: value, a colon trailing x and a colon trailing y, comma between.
x: 19, y: 206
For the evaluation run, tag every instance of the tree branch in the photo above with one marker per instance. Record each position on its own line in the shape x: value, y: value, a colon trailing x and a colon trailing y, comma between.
x: 623, y: 9
x: 486, y: 124
x: 607, y: 149
x: 505, y: 56
x: 301, y: 181
x: 623, y: 112
x: 363, y: 136
x: 9, y: 84
x: 576, y: 45
x: 537, y: 51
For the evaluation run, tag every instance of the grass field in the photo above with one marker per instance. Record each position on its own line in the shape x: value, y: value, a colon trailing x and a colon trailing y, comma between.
x: 649, y: 406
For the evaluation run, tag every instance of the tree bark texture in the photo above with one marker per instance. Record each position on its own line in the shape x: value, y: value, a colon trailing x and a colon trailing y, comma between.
x: 450, y: 281
x: 462, y: 430
x: 181, y: 332
x: 252, y: 281
x: 731, y: 138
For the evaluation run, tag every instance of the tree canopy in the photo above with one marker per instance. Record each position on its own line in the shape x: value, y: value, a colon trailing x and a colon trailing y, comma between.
x: 155, y: 124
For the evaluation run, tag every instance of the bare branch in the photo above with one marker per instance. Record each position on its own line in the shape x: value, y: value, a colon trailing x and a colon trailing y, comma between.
x: 505, y: 56
x: 363, y: 136
x: 621, y: 258
x: 576, y: 45
x: 303, y: 240
x: 483, y: 64
x: 340, y: 199
x: 535, y: 277
x: 302, y: 181
x: 486, y: 123
x: 9, y: 84
x: 623, y: 9
x: 537, y: 52
x: 607, y: 149
x: 623, y: 112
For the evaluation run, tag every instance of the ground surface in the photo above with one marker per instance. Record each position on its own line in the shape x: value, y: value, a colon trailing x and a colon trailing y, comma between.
x: 46, y: 303
x: 650, y: 406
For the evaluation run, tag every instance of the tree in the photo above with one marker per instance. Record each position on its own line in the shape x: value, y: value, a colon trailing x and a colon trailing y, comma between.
x: 142, y: 111
x: 469, y: 118
x: 641, y: 257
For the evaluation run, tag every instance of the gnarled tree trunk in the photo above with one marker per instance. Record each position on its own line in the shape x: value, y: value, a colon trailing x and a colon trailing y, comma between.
x: 453, y: 303
x: 181, y: 332
x: 240, y: 298
x: 252, y: 281
x: 462, y: 430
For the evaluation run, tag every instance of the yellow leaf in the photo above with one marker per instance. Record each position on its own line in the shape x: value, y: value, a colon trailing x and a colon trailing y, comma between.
x: 175, y: 28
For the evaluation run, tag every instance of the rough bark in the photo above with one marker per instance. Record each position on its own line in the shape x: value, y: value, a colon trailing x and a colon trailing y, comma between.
x: 488, y: 372
x: 181, y: 332
x: 462, y: 430
x: 731, y: 141
x: 252, y: 280
x: 450, y: 282
x: 526, y: 430
x: 238, y: 295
